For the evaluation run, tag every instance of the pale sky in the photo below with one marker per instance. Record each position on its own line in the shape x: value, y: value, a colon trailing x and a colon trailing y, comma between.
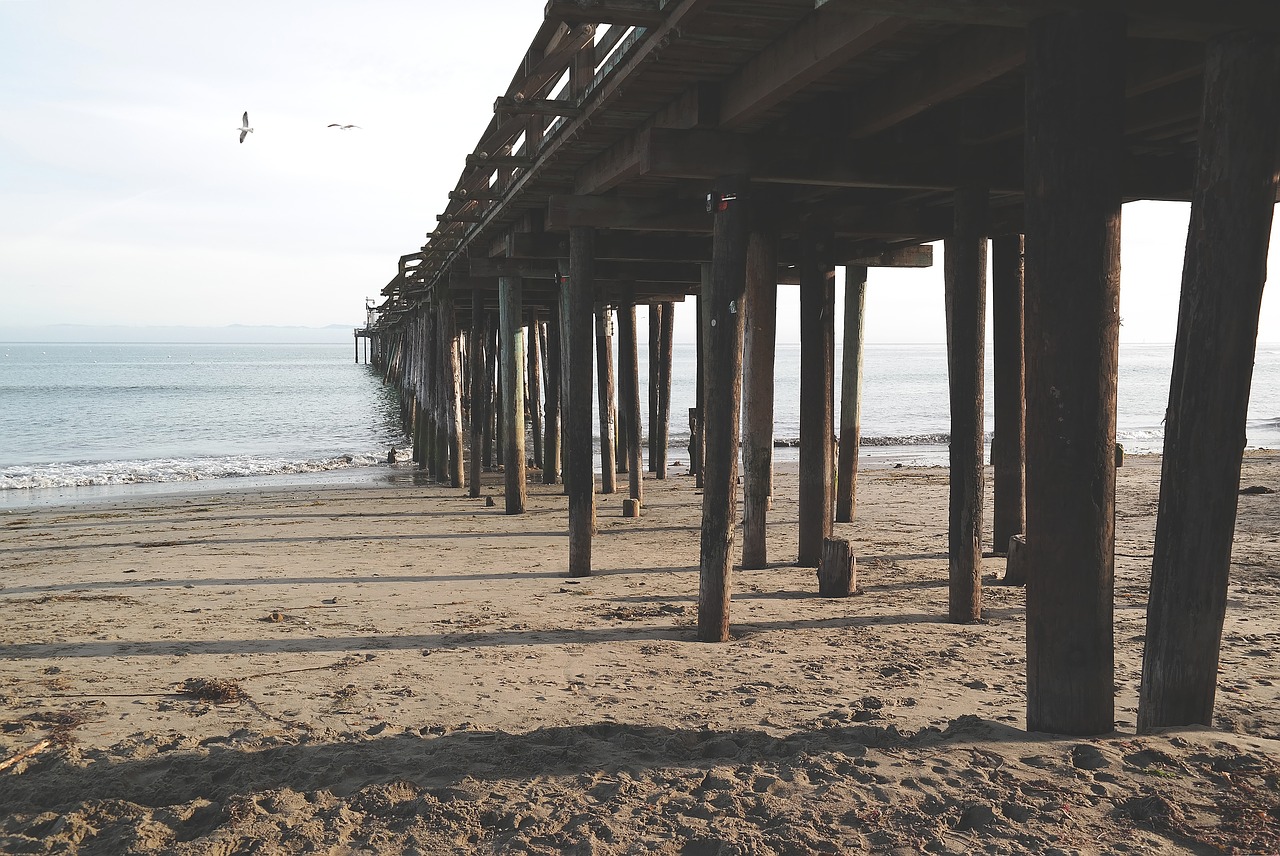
x: 128, y: 200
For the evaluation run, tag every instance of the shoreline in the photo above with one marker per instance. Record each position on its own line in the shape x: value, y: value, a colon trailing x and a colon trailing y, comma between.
x: 404, y: 667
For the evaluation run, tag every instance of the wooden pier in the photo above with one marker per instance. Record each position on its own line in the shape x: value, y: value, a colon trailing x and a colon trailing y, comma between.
x: 647, y: 151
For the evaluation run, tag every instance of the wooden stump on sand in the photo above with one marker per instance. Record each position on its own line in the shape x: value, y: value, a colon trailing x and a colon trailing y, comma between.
x: 1015, y: 569
x: 837, y: 569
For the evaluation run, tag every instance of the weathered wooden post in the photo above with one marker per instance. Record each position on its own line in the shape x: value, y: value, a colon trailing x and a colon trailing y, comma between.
x: 499, y: 392
x: 655, y: 345
x: 490, y: 372
x: 1232, y: 207
x: 697, y: 415
x: 565, y: 374
x: 837, y: 569
x: 662, y: 427
x: 604, y: 389
x: 551, y: 389
x: 453, y: 392
x: 761, y: 301
x: 629, y: 396
x: 511, y: 302
x: 1009, y: 444
x: 578, y: 313
x: 817, y: 368
x: 966, y: 297
x: 855, y: 301
x: 1074, y: 125
x: 535, y: 387
x: 476, y: 357
x: 723, y: 302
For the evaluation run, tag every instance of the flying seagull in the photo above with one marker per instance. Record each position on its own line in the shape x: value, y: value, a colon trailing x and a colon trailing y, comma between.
x: 342, y: 127
x: 244, y: 128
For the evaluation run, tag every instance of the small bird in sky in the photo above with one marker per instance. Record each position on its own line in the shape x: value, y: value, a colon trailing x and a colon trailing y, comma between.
x: 244, y: 128
x: 342, y: 127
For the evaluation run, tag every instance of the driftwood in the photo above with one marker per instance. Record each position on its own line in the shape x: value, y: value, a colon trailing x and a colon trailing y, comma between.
x: 25, y: 754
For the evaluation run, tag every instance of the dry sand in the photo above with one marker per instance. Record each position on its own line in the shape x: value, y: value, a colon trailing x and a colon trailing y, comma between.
x: 400, y: 668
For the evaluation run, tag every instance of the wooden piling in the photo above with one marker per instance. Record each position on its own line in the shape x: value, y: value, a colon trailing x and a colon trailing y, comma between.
x: 966, y: 297
x: 605, y: 393
x: 837, y: 569
x: 1009, y: 443
x: 655, y: 347
x: 817, y: 367
x: 1232, y: 207
x: 475, y: 356
x: 761, y: 301
x: 511, y: 311
x: 661, y: 430
x: 629, y: 398
x: 1074, y: 120
x: 723, y: 304
x: 535, y: 388
x: 697, y: 417
x: 855, y: 301
x: 453, y: 393
x: 551, y: 390
x: 578, y: 313
x: 490, y: 372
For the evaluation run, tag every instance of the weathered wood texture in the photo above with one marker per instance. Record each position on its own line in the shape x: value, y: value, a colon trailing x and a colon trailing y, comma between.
x: 817, y: 367
x: 535, y: 386
x: 513, y: 425
x: 855, y: 302
x: 966, y: 298
x: 605, y: 391
x: 551, y: 389
x: 837, y: 574
x: 1226, y: 265
x: 453, y: 394
x: 577, y: 324
x: 1009, y: 443
x: 629, y: 396
x: 662, y: 428
x: 655, y: 349
x: 757, y: 380
x: 723, y: 403
x: 1075, y: 100
x: 476, y: 361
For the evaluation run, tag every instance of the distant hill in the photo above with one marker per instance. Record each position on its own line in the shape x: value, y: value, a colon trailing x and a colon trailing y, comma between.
x: 231, y: 334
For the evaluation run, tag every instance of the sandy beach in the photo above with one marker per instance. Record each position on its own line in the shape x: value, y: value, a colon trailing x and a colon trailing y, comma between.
x: 399, y: 668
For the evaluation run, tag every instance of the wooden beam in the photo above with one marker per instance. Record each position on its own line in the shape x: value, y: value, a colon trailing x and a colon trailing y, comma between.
x: 606, y: 409
x: 568, y: 212
x: 758, y: 382
x: 482, y: 159
x: 1075, y: 109
x: 508, y: 106
x: 817, y: 369
x: 655, y: 271
x: 553, y: 63
x: 639, y: 13
x: 1232, y: 209
x: 966, y: 297
x: 1009, y: 444
x: 819, y: 44
x: 1189, y: 19
x: 957, y: 66
x: 855, y: 303
x: 576, y: 323
x: 724, y: 304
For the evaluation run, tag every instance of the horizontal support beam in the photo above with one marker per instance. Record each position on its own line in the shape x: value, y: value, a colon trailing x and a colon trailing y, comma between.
x: 818, y: 45
x: 504, y: 105
x: 476, y: 195
x: 1174, y: 19
x: 638, y: 13
x: 497, y: 161
x: 646, y: 271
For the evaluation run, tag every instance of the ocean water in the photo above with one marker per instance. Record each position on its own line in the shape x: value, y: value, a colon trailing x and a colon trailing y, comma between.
x: 85, y: 420
x: 111, y: 415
